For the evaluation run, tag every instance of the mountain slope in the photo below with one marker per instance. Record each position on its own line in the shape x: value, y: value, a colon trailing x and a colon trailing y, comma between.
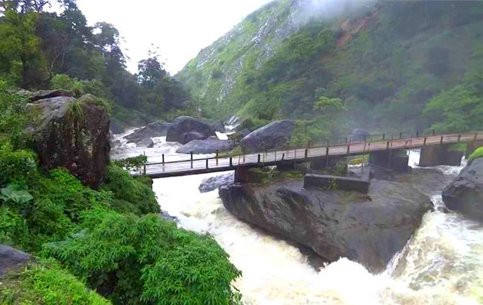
x: 386, y: 60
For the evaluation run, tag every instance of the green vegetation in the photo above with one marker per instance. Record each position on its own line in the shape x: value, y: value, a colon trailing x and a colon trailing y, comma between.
x: 47, y: 284
x: 388, y: 64
x: 267, y: 175
x: 112, y: 241
x: 40, y: 49
x: 478, y: 153
x: 148, y: 261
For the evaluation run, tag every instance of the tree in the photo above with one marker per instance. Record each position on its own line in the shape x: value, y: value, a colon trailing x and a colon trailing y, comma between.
x: 20, y: 55
x: 150, y: 71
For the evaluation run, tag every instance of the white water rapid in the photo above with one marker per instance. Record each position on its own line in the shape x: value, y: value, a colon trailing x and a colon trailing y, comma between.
x: 441, y: 265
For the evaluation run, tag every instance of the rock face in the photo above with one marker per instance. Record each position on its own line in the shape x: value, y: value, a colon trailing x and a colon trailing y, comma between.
x: 368, y: 229
x: 73, y: 134
x: 11, y: 259
x: 185, y: 129
x: 465, y: 193
x: 142, y: 136
x: 212, y: 183
x: 207, y: 146
x: 274, y: 135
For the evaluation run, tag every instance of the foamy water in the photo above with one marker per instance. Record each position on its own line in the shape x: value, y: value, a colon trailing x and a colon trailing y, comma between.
x: 441, y: 264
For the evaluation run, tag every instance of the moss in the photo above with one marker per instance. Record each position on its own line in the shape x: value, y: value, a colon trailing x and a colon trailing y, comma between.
x: 478, y: 153
x: 46, y: 284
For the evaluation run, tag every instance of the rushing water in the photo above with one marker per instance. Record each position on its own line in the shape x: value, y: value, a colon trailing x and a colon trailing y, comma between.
x: 441, y: 264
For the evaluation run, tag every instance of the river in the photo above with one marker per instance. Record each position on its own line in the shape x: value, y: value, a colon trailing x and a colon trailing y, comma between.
x: 442, y: 264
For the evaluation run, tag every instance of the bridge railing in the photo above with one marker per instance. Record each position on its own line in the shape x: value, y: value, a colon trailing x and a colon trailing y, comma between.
x: 311, y: 150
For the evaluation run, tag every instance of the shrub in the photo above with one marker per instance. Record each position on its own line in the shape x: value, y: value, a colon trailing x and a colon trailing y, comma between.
x: 16, y: 166
x: 478, y: 153
x: 13, y: 117
x: 133, y: 163
x: 132, y: 195
x: 47, y: 284
x: 147, y: 260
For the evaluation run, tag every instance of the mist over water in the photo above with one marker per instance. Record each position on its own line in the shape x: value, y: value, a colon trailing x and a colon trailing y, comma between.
x: 441, y: 264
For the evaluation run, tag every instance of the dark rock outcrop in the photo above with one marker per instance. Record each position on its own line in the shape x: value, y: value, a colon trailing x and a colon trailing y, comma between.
x: 11, y: 259
x: 142, y: 136
x: 465, y: 193
x: 274, y: 135
x: 116, y: 127
x: 218, y: 126
x: 44, y: 94
x: 212, y: 183
x: 368, y: 229
x: 207, y: 146
x: 185, y: 129
x: 73, y: 134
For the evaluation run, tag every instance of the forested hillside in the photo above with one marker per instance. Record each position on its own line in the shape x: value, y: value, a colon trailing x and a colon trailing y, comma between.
x: 41, y: 49
x: 388, y: 65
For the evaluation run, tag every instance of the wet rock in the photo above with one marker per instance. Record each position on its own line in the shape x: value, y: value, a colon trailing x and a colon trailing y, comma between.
x: 73, y: 134
x: 44, y: 94
x: 366, y: 228
x: 11, y: 259
x: 116, y: 127
x: 274, y: 135
x: 465, y: 193
x: 142, y: 136
x: 207, y: 146
x: 218, y: 126
x: 185, y: 129
x: 212, y: 183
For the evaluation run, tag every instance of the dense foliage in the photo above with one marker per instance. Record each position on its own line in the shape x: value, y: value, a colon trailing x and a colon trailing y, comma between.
x: 113, y: 240
x: 47, y: 284
x: 389, y: 62
x: 39, y: 49
x: 143, y: 260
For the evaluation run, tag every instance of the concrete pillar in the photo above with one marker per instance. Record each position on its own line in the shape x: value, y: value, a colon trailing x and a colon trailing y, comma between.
x: 472, y: 146
x: 242, y: 175
x: 395, y: 159
x: 434, y: 155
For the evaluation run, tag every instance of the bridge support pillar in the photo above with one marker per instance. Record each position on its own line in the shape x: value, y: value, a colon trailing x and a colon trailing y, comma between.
x: 472, y: 146
x: 435, y: 155
x: 396, y: 160
x: 242, y: 175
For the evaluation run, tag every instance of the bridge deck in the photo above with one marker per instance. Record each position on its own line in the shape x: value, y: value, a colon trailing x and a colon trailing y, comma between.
x: 213, y: 164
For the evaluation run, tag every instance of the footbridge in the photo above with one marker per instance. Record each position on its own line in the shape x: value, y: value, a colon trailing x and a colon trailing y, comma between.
x: 379, y: 145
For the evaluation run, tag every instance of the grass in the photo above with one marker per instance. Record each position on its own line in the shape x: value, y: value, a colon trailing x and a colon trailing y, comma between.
x: 478, y: 153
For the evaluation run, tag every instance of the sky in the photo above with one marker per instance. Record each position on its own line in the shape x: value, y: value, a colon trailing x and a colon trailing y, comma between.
x: 178, y: 29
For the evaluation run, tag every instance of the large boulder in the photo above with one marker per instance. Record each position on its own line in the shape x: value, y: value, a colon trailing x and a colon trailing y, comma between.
x: 207, y: 146
x: 274, y: 135
x: 212, y: 183
x: 218, y: 126
x: 11, y: 259
x: 185, y: 129
x: 465, y: 193
x: 366, y: 228
x: 73, y: 134
x: 143, y: 136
